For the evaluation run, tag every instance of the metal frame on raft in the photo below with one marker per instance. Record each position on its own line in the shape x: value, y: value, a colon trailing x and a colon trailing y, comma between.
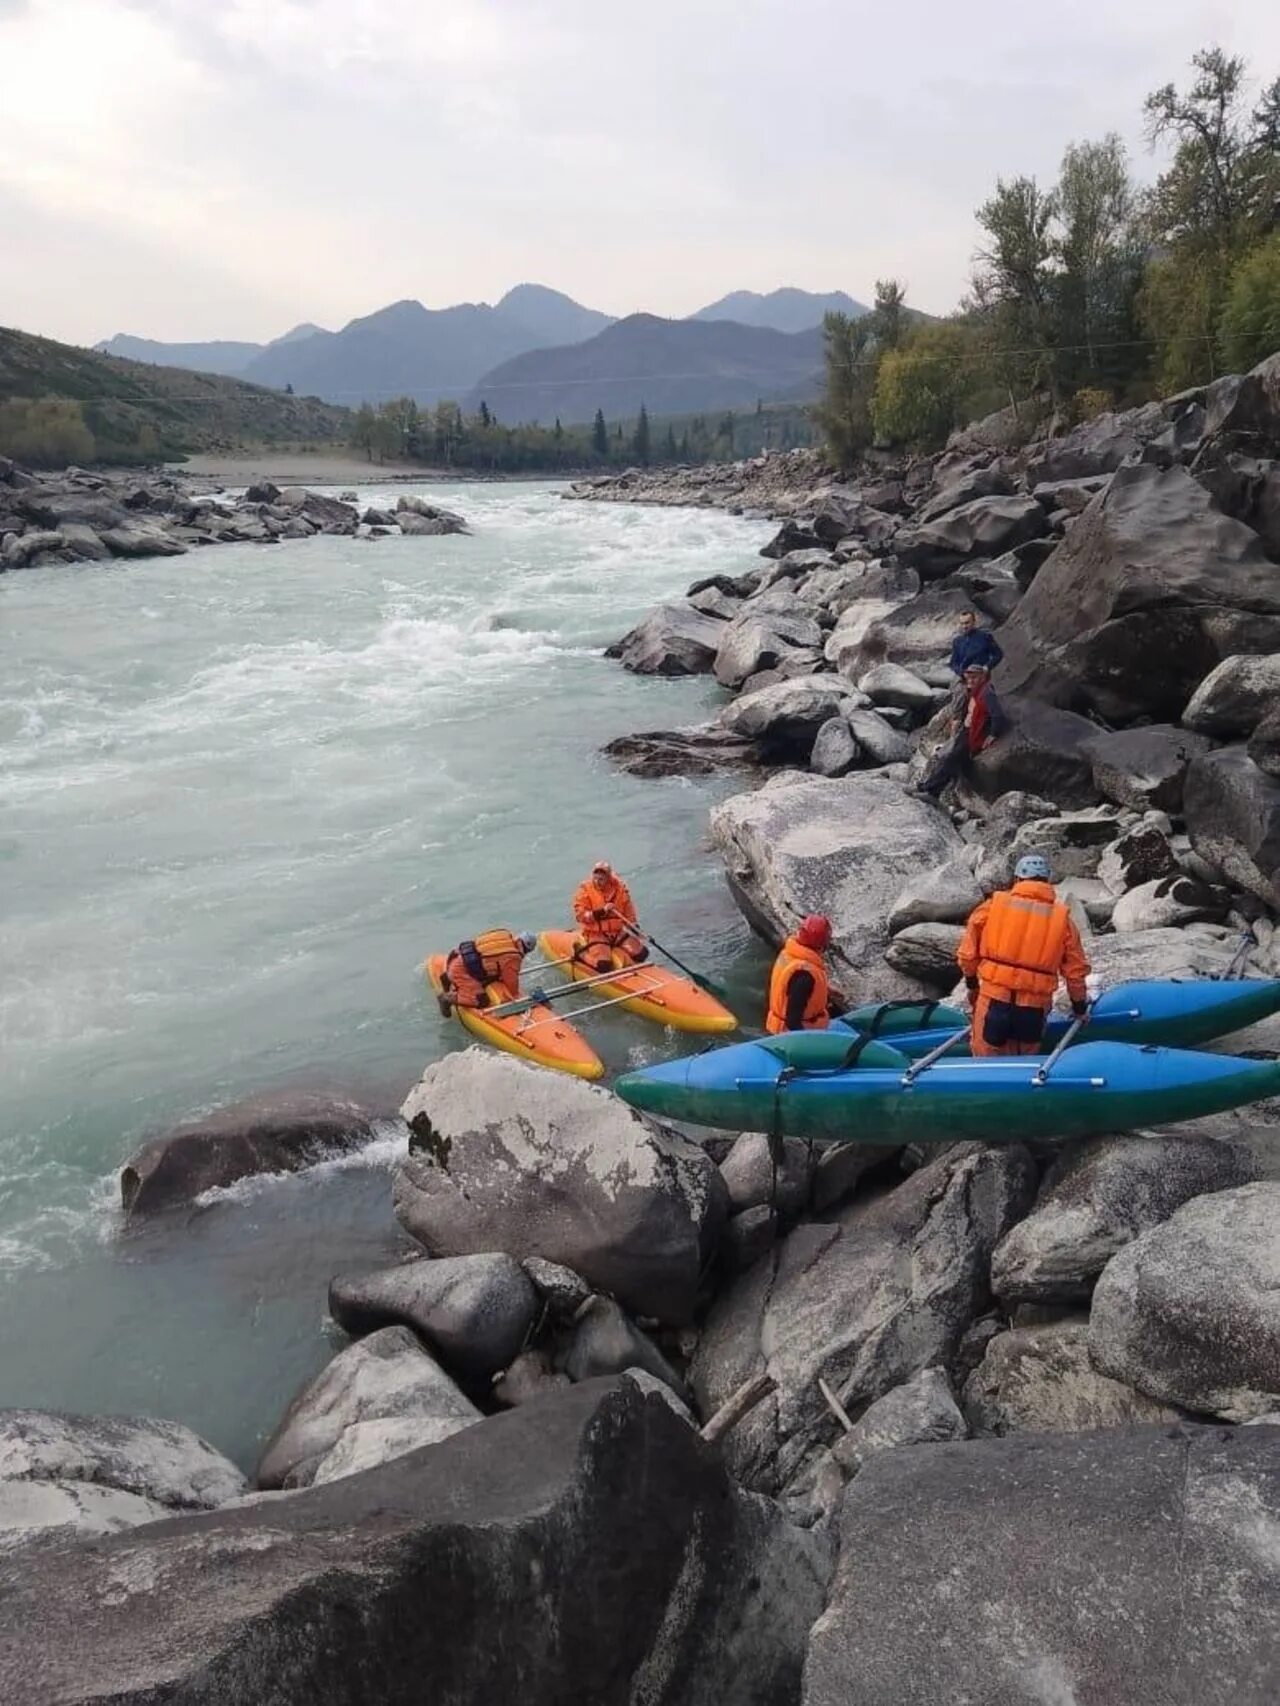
x: 648, y: 989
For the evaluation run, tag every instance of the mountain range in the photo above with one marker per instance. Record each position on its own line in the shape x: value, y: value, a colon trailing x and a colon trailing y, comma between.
x: 536, y: 354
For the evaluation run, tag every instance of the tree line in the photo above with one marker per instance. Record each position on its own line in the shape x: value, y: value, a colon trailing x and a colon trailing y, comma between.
x: 1091, y: 292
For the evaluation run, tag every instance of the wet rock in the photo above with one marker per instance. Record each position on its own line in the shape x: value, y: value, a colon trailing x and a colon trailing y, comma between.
x: 504, y: 1156
x: 927, y: 952
x: 157, y: 1462
x: 1040, y: 1380
x: 791, y: 536
x: 1231, y: 698
x: 442, y: 520
x: 984, y: 528
x: 1233, y: 815
x: 1170, y: 901
x: 605, y: 1342
x: 279, y: 1132
x: 835, y: 749
x: 474, y: 1311
x: 713, y: 601
x: 751, y: 643
x: 386, y: 1376
x: 674, y: 639
x: 1150, y: 569
x: 783, y: 720
x: 1189, y: 1312
x: 1145, y: 768
x: 681, y: 752
x: 322, y: 1593
x: 804, y: 844
x: 263, y: 492
x: 922, y: 1411
x: 1101, y: 1568
x: 1045, y: 752
x: 887, y: 1288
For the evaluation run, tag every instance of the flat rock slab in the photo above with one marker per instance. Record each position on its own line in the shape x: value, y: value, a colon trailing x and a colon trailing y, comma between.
x: 500, y: 1564
x: 1110, y: 1569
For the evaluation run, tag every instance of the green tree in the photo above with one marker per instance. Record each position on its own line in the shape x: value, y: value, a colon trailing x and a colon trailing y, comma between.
x: 920, y: 386
x: 669, y: 449
x: 889, y: 316
x: 1014, y: 282
x: 1250, y: 329
x: 642, y: 443
x: 46, y: 432
x: 600, y: 436
x: 484, y: 413
x: 364, y: 429
x: 844, y: 412
x: 1099, y: 252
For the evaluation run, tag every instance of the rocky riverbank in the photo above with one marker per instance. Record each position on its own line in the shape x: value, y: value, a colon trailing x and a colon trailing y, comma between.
x: 87, y: 516
x: 652, y: 1422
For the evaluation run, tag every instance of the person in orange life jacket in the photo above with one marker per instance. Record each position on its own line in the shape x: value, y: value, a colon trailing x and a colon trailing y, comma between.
x: 799, y: 990
x: 1014, y: 949
x: 978, y: 722
x: 606, y: 916
x: 485, y: 971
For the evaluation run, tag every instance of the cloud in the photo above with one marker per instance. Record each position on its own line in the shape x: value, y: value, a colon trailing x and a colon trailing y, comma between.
x: 316, y: 158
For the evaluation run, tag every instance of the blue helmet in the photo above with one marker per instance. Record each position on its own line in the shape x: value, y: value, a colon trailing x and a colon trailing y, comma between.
x: 527, y: 940
x: 1033, y: 868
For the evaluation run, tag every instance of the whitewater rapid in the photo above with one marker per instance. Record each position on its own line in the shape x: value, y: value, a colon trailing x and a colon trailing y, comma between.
x: 242, y: 794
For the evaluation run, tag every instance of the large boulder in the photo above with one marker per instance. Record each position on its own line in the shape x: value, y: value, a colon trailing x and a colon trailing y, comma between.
x: 1095, y: 1569
x: 159, y: 1462
x: 835, y: 749
x: 915, y: 633
x: 1098, y: 446
x: 1246, y: 406
x: 504, y: 1156
x: 474, y: 1311
x: 1040, y: 1380
x: 1046, y: 752
x: 890, y: 684
x: 421, y: 509
x: 804, y: 844
x: 604, y: 1341
x: 1233, y: 816
x: 1231, y: 698
x: 945, y: 894
x: 1151, y: 569
x: 1264, y: 743
x: 1190, y: 1311
x: 844, y: 646
x: 1142, y: 854
x: 674, y: 639
x: 1169, y: 901
x: 698, y: 751
x: 386, y: 1376
x: 1099, y: 1196
x: 921, y: 1411
x: 752, y: 643
x: 784, y: 719
x: 1145, y: 768
x: 68, y: 1510
x: 984, y: 528
x: 927, y: 952
x: 955, y: 486
x: 279, y: 1132
x: 886, y: 1289
x: 877, y: 739
x: 586, y: 1546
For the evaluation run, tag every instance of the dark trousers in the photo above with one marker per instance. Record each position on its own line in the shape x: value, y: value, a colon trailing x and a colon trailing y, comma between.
x: 952, y: 761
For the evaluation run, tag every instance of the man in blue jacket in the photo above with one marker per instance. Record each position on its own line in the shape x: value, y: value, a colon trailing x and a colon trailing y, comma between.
x: 973, y: 646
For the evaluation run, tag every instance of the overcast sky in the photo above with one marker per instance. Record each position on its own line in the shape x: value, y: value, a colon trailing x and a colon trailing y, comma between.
x: 225, y: 168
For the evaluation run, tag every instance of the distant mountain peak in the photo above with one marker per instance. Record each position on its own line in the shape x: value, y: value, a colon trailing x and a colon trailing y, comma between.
x: 787, y: 309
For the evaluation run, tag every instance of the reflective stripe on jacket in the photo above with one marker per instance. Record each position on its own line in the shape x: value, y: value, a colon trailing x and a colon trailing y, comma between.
x: 495, y: 956
x: 1018, y: 944
x: 795, y: 957
x: 593, y: 897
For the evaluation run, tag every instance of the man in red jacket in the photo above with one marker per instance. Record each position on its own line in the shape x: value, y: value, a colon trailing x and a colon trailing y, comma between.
x: 980, y: 721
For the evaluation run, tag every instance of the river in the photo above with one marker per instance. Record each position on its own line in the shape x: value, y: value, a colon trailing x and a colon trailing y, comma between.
x: 242, y: 793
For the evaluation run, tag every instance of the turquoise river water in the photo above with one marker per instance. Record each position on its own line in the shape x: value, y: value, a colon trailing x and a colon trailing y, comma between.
x: 242, y: 793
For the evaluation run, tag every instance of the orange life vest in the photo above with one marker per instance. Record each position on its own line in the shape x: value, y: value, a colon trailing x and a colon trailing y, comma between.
x: 795, y: 957
x: 591, y: 897
x: 1024, y: 940
x: 495, y: 956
